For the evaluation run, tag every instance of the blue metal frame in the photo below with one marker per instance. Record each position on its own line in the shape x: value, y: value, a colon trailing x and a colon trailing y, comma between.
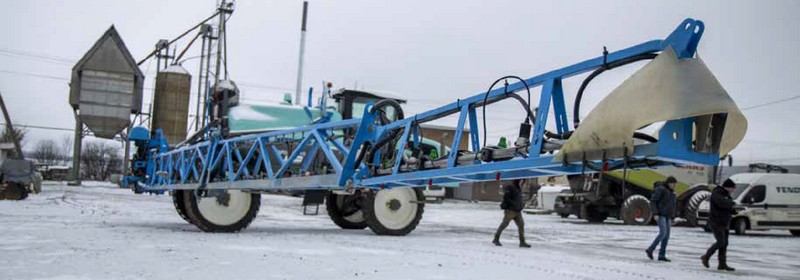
x: 255, y: 161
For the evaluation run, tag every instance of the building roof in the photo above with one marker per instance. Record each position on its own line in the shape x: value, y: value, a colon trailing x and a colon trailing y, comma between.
x: 110, y: 34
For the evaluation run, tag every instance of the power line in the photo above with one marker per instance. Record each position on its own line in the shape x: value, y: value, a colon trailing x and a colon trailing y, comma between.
x: 37, y: 56
x: 42, y: 127
x: 772, y: 102
x: 34, y: 75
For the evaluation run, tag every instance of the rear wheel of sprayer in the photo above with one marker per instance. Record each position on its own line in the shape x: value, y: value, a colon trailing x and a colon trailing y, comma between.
x: 393, y: 211
x: 179, y: 202
x: 221, y: 210
x: 346, y: 210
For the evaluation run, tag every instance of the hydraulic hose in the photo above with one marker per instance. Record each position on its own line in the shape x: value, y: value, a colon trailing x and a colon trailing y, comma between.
x: 370, y: 149
x: 530, y: 116
x: 577, y: 106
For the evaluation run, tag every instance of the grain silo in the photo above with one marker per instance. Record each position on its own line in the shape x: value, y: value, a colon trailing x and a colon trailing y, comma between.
x: 171, y: 103
x: 106, y: 86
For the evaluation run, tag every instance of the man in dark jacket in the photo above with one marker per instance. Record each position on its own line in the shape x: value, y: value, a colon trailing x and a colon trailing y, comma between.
x: 512, y: 206
x: 662, y: 204
x: 722, y: 208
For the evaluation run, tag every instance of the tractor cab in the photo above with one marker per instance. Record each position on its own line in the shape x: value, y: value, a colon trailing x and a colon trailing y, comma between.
x: 351, y: 102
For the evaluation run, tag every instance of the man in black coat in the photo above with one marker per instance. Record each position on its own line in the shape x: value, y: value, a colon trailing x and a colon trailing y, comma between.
x: 662, y: 205
x: 512, y: 206
x: 722, y: 208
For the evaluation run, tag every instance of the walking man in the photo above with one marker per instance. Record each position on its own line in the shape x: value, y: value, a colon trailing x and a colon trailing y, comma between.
x: 512, y: 206
x: 722, y: 208
x: 662, y: 204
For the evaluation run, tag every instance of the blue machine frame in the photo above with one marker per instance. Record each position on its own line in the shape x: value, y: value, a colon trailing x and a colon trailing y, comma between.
x: 262, y: 161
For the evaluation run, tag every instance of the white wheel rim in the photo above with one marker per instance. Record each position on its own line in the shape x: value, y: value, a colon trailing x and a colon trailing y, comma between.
x: 218, y: 214
x: 356, y: 217
x: 399, y: 217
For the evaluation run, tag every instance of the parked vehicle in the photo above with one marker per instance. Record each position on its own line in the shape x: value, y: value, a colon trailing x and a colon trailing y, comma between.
x: 765, y: 201
x: 53, y: 172
x: 595, y: 197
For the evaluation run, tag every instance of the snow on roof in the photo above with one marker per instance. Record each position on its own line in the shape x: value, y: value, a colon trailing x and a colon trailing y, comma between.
x: 175, y: 69
x: 227, y: 85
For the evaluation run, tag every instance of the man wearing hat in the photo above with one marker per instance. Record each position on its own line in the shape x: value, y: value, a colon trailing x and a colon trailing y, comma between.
x: 662, y: 204
x: 722, y: 208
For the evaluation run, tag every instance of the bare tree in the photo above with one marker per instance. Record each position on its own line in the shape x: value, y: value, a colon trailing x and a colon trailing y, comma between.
x: 66, y: 148
x: 47, y: 152
x: 99, y: 161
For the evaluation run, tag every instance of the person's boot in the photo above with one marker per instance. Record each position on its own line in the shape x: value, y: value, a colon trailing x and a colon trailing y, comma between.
x: 723, y: 262
x: 524, y: 245
x: 496, y: 242
x: 704, y: 259
x: 649, y: 254
x: 664, y: 259
x: 725, y: 267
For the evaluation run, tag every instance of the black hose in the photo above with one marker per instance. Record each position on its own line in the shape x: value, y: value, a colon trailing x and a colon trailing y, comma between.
x: 378, y: 106
x: 577, y: 106
x: 565, y: 136
x: 530, y: 117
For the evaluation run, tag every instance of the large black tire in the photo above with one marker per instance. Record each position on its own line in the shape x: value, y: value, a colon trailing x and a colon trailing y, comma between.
x: 795, y: 232
x: 240, y: 211
x: 636, y: 210
x: 691, y: 207
x: 13, y: 191
x: 346, y: 210
x: 179, y: 202
x: 393, y: 211
x: 740, y: 226
x: 593, y: 215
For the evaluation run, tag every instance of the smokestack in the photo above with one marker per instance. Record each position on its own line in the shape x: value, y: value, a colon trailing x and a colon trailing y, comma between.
x: 302, y: 52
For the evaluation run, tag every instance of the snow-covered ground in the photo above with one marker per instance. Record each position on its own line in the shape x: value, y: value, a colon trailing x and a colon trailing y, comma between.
x: 100, y: 232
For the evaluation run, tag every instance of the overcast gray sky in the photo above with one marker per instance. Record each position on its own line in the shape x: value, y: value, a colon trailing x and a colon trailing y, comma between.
x: 432, y: 52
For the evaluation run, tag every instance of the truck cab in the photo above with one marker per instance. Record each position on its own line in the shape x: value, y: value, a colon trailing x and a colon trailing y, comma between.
x: 764, y: 201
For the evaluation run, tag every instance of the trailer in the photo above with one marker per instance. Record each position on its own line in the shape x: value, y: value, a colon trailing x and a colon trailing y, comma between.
x: 360, y: 168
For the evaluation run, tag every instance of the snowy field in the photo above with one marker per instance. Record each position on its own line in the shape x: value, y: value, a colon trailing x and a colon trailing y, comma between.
x: 99, y: 232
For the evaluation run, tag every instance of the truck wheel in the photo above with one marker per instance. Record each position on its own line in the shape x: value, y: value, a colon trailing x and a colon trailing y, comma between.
x: 180, y: 206
x: 393, y: 211
x: 221, y: 210
x: 690, y: 212
x: 636, y: 210
x: 740, y: 226
x: 795, y: 232
x: 595, y: 216
x: 345, y: 210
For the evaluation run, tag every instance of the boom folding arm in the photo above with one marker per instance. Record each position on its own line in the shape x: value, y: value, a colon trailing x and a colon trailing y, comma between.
x: 324, y: 156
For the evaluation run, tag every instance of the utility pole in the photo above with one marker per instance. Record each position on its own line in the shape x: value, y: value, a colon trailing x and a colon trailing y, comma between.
x: 302, y: 52
x: 10, y: 130
x: 76, y: 151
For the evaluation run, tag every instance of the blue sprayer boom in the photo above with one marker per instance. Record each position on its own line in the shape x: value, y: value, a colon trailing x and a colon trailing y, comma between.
x: 369, y: 169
